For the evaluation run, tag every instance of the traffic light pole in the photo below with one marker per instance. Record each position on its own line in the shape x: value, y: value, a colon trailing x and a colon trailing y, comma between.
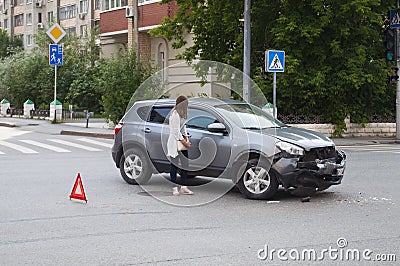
x: 397, y: 84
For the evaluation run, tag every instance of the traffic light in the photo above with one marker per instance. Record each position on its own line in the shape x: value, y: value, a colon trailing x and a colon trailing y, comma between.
x: 395, y: 75
x: 390, y: 44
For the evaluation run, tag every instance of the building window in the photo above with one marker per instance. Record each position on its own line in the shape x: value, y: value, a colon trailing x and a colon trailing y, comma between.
x: 67, y: 12
x: 29, y: 40
x: 39, y: 18
x: 110, y: 4
x: 29, y: 1
x: 144, y: 2
x: 84, y: 30
x: 19, y: 2
x: 20, y: 37
x: 70, y: 31
x: 83, y: 6
x: 50, y: 16
x: 97, y: 4
x: 6, y: 23
x: 29, y: 19
x: 19, y: 20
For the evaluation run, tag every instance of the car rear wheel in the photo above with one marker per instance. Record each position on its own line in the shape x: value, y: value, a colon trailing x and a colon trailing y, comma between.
x: 135, y: 167
x: 258, y: 181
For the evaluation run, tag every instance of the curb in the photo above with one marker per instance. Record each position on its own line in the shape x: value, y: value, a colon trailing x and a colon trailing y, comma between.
x: 87, y: 134
x: 7, y: 125
x: 363, y: 143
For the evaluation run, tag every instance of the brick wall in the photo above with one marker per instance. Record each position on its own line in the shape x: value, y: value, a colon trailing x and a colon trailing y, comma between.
x: 354, y: 130
x: 149, y: 15
x: 113, y: 21
x: 144, y: 46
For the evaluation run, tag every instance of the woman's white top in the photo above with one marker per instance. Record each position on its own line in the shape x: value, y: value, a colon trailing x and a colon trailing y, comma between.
x: 176, y: 124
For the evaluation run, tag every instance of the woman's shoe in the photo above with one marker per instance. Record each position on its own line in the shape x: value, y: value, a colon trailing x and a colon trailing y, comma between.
x: 186, y: 191
x: 175, y: 191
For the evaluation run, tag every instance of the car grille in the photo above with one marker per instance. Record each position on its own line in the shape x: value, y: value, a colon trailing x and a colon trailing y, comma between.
x: 319, y: 153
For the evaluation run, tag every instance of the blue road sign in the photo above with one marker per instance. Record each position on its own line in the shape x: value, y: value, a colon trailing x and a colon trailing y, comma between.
x: 275, y: 61
x: 394, y: 18
x: 55, y: 54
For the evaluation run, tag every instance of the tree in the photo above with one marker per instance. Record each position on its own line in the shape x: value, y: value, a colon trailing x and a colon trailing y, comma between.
x: 8, y: 45
x: 117, y: 80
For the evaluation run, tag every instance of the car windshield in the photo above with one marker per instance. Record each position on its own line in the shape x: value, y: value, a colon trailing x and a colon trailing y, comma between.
x: 248, y: 116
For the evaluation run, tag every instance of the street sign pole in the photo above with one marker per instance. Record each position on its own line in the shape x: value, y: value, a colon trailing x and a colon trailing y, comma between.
x: 55, y: 93
x: 274, y: 96
x: 274, y: 62
x: 397, y: 84
x: 56, y: 33
x: 246, y: 52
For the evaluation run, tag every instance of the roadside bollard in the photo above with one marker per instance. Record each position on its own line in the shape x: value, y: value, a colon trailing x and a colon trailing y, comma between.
x: 87, y: 119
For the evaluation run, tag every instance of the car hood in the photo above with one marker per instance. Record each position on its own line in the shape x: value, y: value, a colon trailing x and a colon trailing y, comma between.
x: 306, y: 139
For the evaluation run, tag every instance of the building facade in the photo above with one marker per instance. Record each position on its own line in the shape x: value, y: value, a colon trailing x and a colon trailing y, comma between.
x: 25, y: 18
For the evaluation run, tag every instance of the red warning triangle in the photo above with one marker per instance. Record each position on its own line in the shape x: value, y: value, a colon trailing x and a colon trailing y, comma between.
x: 74, y: 193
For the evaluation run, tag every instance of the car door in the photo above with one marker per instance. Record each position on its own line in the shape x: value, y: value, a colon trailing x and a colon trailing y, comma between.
x: 196, y: 125
x: 156, y: 133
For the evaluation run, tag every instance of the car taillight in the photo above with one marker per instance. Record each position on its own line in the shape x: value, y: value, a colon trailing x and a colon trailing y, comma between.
x: 118, y: 128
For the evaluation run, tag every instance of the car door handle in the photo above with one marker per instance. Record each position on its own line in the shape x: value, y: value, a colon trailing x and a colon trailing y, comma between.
x: 147, y: 130
x: 187, y: 134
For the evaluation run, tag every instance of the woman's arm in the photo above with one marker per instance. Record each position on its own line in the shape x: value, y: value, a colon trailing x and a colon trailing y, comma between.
x: 175, y: 126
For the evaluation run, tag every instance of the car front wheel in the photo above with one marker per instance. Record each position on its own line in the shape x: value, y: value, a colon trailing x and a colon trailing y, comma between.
x: 258, y: 181
x: 135, y: 167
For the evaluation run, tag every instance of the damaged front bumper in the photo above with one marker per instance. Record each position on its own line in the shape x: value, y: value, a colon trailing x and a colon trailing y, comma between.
x: 318, y: 174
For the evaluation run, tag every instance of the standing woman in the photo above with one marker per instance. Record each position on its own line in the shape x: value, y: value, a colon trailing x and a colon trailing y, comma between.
x: 178, y: 152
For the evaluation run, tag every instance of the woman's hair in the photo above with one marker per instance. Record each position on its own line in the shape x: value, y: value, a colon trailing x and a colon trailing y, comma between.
x: 181, y: 106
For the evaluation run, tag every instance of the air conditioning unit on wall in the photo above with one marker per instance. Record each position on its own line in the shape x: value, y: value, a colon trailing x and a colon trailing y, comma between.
x: 40, y: 25
x: 129, y: 12
x: 5, y: 11
x: 82, y: 15
x: 38, y: 3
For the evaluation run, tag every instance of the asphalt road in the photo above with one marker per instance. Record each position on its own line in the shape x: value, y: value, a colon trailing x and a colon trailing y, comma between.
x: 122, y: 225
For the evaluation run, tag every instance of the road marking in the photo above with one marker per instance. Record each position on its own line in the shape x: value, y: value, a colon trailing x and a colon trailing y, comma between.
x: 68, y: 143
x: 17, y: 147
x: 46, y: 146
x: 108, y: 145
x: 389, y: 151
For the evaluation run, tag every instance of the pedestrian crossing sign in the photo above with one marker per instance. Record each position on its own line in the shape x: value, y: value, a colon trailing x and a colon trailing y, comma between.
x: 394, y: 18
x: 274, y: 61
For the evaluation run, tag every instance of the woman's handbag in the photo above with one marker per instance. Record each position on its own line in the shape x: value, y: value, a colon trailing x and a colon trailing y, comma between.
x: 181, y: 147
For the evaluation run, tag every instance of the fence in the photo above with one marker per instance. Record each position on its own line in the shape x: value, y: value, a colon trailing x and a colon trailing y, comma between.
x: 42, y: 114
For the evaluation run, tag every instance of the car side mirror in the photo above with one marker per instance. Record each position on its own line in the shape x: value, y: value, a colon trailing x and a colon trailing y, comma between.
x: 216, y: 128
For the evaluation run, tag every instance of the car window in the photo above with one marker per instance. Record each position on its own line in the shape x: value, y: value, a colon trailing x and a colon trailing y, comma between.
x: 200, y: 119
x: 249, y: 116
x: 159, y: 114
x: 143, y: 112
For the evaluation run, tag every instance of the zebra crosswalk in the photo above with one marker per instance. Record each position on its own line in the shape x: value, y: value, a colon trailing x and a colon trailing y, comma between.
x: 56, y: 145
x: 375, y: 148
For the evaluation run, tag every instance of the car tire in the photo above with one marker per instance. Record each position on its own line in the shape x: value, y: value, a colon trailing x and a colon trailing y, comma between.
x: 135, y: 167
x: 257, y: 180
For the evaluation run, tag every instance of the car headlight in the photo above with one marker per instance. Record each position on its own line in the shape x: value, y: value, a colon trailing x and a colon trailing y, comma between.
x: 290, y: 148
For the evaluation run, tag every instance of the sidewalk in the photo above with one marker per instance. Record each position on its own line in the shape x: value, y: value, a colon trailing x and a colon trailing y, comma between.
x: 100, y: 129
x: 97, y: 127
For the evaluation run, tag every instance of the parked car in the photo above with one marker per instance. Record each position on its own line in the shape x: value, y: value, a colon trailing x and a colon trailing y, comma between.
x: 256, y: 151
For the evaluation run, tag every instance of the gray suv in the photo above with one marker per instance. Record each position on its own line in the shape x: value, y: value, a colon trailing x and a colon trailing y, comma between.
x: 233, y: 140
